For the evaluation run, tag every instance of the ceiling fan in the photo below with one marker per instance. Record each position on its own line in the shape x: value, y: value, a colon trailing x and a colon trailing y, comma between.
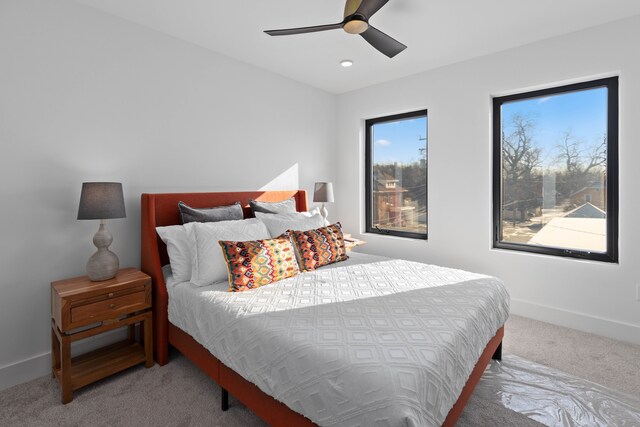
x: 356, y: 21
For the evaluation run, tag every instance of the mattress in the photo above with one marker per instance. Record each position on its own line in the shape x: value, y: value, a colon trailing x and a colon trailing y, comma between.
x: 370, y: 341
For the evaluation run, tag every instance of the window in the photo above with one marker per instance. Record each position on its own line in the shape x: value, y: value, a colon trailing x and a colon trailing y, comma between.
x: 396, y: 175
x: 555, y: 171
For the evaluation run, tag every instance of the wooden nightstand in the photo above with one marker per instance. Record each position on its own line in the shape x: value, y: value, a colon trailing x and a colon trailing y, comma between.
x: 81, y: 308
x: 350, y: 242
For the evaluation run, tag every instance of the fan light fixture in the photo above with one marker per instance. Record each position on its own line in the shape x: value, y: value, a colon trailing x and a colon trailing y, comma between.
x: 346, y: 63
x: 356, y: 26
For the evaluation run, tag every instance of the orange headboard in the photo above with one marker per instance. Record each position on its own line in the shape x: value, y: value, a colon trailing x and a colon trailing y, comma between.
x: 160, y: 210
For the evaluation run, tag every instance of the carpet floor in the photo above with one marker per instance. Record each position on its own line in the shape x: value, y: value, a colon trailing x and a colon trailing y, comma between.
x: 179, y: 394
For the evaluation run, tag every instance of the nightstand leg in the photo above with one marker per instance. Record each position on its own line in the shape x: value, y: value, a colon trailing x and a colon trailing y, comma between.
x: 65, y: 374
x: 147, y: 341
x: 55, y: 352
x: 132, y: 333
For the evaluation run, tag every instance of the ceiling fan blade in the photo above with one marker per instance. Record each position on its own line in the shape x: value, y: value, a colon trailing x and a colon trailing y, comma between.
x: 384, y: 43
x: 369, y: 7
x: 303, y: 30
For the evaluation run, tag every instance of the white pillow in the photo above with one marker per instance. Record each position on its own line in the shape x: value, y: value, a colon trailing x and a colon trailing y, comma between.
x: 279, y: 223
x: 292, y: 215
x: 180, y: 241
x: 209, y: 265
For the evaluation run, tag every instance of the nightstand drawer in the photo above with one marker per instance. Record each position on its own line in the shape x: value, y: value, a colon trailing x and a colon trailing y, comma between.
x: 109, y: 308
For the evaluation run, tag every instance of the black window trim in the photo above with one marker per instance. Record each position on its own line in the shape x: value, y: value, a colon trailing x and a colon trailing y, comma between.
x: 611, y: 255
x: 369, y: 123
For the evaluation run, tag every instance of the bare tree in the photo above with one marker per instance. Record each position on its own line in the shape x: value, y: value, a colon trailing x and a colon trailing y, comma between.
x: 521, y: 160
x: 569, y: 152
x: 578, y: 159
x: 520, y: 155
x: 583, y: 165
x: 597, y: 155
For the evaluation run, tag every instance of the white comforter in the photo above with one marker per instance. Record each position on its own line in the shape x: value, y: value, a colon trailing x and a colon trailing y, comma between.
x: 369, y: 342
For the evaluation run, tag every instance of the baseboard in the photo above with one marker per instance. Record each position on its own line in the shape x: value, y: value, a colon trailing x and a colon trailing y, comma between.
x: 40, y: 365
x: 583, y: 322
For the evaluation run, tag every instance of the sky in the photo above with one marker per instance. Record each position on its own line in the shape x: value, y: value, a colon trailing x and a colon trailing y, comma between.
x: 583, y: 112
x: 399, y: 141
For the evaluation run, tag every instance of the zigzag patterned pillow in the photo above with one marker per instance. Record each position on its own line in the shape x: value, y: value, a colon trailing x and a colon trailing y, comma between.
x: 320, y: 247
x: 259, y: 262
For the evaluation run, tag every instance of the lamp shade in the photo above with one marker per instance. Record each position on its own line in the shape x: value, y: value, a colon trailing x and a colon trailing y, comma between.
x: 101, y: 200
x: 323, y: 192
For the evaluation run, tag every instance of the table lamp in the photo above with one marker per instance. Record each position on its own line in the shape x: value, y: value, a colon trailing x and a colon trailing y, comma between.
x: 323, y: 193
x: 102, y: 200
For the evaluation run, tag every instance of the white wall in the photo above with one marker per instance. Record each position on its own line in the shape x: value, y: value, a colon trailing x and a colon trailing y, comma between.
x: 85, y: 96
x: 592, y: 296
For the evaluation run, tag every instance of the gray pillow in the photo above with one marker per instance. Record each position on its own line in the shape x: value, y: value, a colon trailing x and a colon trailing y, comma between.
x: 216, y: 214
x: 286, y: 206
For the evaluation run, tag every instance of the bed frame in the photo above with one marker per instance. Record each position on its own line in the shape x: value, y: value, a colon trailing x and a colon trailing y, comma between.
x: 162, y: 210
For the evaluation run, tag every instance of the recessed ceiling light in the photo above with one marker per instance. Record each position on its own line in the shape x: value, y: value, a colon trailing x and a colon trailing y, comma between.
x: 346, y: 63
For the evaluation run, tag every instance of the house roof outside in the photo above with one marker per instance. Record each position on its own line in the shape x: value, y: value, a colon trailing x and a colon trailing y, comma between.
x: 383, y: 176
x: 598, y: 185
x: 383, y: 179
x: 588, y: 234
x: 586, y: 211
x: 583, y: 228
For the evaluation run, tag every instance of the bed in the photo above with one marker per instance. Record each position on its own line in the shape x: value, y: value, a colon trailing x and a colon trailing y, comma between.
x: 266, y: 376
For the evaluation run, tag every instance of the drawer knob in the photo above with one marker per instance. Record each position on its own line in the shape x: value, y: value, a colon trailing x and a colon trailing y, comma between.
x: 112, y: 306
x: 110, y: 294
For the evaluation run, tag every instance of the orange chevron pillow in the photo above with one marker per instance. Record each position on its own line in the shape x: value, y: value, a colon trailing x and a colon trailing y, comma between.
x: 257, y: 263
x: 320, y: 247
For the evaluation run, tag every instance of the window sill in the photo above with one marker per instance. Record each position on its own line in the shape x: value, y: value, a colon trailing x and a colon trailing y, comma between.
x: 521, y: 252
x: 393, y: 236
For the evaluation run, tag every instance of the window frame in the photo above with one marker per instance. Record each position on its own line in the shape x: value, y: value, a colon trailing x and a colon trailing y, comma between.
x: 611, y: 255
x: 368, y: 174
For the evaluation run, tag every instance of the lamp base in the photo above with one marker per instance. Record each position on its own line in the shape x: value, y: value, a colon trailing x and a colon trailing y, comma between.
x: 324, y: 212
x: 104, y: 264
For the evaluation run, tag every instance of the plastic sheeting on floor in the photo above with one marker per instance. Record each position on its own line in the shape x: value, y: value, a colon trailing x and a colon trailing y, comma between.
x: 554, y: 398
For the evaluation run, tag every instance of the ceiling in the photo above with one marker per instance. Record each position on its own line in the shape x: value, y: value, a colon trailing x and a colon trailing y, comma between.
x: 437, y: 32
